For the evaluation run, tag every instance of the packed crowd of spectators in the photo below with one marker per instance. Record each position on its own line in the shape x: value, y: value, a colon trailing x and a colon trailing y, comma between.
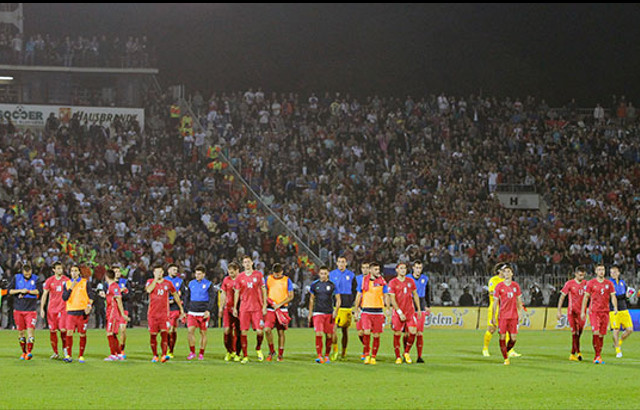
x: 81, y: 51
x: 378, y: 178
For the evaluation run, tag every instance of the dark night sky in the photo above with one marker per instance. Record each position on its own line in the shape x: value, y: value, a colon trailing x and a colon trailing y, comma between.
x: 551, y: 51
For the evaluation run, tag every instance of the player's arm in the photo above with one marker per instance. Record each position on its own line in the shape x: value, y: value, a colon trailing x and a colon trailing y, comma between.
x: 394, y: 305
x: 151, y: 286
x: 338, y: 305
x: 43, y: 302
x: 120, y: 306
x: 13, y: 290
x: 264, y: 300
x: 222, y: 298
x: 496, y: 306
x: 520, y: 306
x: 312, y: 299
x: 427, y: 298
x: 212, y: 295
x: 416, y: 300
x: 560, y: 302
x: 236, y: 298
x: 176, y: 297
x: 585, y: 301
x: 614, y: 302
x: 91, y: 296
x: 356, y: 308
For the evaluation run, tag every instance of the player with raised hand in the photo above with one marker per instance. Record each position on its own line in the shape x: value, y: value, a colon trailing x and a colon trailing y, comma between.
x: 323, y: 311
x: 422, y: 289
x: 24, y: 286
x: 372, y: 298
x: 574, y: 288
x: 251, y: 292
x: 622, y: 318
x: 508, y: 302
x: 56, y: 309
x: 159, y: 290
x: 79, y: 297
x: 279, y: 294
x: 230, y: 323
x: 405, y: 303
x: 599, y: 290
x: 199, y: 299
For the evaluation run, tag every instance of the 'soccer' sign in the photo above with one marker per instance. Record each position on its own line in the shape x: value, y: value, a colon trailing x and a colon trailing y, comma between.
x: 36, y: 115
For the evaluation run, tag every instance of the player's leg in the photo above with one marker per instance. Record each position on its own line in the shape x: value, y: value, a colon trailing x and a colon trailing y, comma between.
x: 376, y: 331
x: 21, y: 327
x: 396, y: 345
x: 119, y: 338
x: 411, y: 336
x: 366, y: 336
x: 624, y: 320
x: 257, y: 321
x: 595, y: 320
x: 502, y: 331
x: 164, y: 344
x: 53, y: 322
x: 191, y: 337
x: 123, y: 335
x: 203, y: 340
x: 319, y: 357
x: 488, y: 334
x: 269, y: 334
x: 281, y: 340
x: 245, y: 323
x: 615, y: 331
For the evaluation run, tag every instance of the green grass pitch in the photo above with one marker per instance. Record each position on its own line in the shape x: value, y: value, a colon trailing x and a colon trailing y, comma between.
x: 455, y: 375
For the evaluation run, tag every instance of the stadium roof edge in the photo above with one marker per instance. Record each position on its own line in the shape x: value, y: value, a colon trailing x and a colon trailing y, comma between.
x: 97, y: 70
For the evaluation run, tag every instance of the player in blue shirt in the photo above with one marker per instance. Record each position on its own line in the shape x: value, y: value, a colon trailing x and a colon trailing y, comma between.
x: 422, y: 288
x: 25, y: 290
x: 199, y: 301
x: 344, y: 280
x: 174, y: 310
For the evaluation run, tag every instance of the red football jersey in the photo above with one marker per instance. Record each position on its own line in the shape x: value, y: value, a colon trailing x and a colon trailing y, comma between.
x: 404, y: 294
x: 250, y: 287
x: 600, y: 294
x: 159, y: 299
x: 508, y: 296
x: 576, y: 293
x: 55, y: 288
x: 112, y: 306
x: 227, y: 288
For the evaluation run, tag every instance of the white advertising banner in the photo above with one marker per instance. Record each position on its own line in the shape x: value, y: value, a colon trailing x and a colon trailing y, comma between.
x: 27, y: 115
x: 519, y: 201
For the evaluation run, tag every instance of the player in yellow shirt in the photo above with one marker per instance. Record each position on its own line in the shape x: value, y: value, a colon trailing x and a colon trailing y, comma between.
x: 498, y: 270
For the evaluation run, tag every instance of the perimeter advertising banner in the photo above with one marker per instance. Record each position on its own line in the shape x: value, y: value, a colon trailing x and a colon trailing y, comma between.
x: 452, y: 318
x: 35, y: 116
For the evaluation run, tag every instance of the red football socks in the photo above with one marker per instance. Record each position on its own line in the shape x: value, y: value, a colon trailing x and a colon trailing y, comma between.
x: 154, y: 344
x: 259, y: 339
x: 243, y: 342
x: 328, y: 342
x: 53, y: 336
x: 367, y: 340
x: 164, y: 342
x: 419, y: 344
x: 396, y: 345
x: 376, y: 345
x: 503, y: 348
x: 409, y: 345
x: 83, y: 344
x: 319, y: 345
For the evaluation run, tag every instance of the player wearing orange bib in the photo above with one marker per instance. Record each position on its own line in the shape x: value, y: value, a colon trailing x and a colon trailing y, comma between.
x: 372, y: 298
x: 279, y: 294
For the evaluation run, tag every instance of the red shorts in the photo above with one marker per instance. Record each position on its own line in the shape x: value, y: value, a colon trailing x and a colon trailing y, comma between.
x: 156, y: 324
x: 251, y: 319
x: 575, y: 322
x: 398, y: 325
x: 421, y: 318
x: 271, y: 321
x: 372, y: 321
x: 173, y: 318
x: 25, y: 319
x: 323, y: 323
x: 228, y: 320
x: 77, y: 323
x: 57, y: 320
x: 599, y: 322
x: 197, y: 321
x: 114, y: 322
x: 507, y: 325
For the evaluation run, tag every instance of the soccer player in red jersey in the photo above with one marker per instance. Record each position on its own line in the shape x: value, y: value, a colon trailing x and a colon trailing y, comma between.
x: 230, y: 323
x: 159, y: 290
x: 373, y: 299
x: 508, y: 302
x: 251, y: 292
x: 115, y: 316
x: 600, y: 291
x: 56, y: 310
x: 405, y: 303
x: 79, y: 297
x: 279, y: 294
x: 25, y: 288
x: 575, y: 289
x: 324, y: 303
